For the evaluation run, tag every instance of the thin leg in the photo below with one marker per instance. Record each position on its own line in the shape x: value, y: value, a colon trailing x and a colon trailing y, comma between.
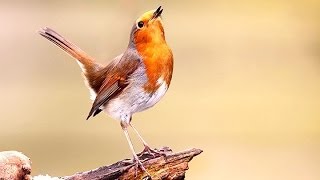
x: 140, y: 137
x: 132, y: 150
x: 146, y: 146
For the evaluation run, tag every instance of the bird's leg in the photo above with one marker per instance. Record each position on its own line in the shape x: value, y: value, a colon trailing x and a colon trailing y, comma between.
x: 147, y: 148
x: 135, y: 157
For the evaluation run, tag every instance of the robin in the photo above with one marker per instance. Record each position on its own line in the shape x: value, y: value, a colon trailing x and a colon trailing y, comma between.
x: 133, y: 81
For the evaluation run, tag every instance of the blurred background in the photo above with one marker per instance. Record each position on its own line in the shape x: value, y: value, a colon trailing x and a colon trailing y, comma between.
x: 245, y: 89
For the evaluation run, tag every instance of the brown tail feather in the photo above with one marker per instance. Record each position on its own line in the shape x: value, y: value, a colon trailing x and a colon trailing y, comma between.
x: 92, y: 71
x: 87, y: 63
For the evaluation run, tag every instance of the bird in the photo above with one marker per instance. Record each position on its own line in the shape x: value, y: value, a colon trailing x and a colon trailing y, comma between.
x: 133, y: 81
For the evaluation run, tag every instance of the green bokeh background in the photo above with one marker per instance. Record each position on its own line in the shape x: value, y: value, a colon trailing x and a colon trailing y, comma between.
x: 245, y: 89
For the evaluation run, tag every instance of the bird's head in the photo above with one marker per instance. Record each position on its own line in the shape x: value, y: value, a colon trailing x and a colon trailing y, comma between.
x: 148, y: 28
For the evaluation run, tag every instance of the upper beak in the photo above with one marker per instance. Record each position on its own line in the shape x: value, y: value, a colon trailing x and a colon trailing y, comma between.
x: 157, y: 13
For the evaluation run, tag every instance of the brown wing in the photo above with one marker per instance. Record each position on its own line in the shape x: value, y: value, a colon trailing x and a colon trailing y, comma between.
x: 115, y: 81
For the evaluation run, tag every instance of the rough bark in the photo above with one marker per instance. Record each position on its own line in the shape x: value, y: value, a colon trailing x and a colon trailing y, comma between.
x: 168, y: 165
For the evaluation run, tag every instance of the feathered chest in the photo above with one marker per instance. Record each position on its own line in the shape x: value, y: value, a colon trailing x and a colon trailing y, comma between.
x: 158, y: 61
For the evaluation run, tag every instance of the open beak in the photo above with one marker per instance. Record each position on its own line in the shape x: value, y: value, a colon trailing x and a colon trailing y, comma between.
x: 157, y: 13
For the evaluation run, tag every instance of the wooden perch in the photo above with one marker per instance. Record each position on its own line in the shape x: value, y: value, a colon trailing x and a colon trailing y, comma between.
x: 167, y: 166
x: 170, y: 166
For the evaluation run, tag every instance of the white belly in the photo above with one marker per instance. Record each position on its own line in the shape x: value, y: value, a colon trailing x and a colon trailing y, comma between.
x: 155, y: 97
x: 134, y: 99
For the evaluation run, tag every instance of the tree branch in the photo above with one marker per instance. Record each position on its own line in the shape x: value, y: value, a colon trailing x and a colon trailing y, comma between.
x: 169, y: 166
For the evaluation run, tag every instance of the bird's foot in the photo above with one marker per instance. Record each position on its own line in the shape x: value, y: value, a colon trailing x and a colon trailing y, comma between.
x: 139, y: 164
x: 152, y: 152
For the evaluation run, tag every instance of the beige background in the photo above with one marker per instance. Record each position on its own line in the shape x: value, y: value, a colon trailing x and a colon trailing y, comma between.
x: 245, y: 87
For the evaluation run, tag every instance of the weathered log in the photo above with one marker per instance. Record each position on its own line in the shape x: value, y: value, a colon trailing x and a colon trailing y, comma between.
x: 166, y: 165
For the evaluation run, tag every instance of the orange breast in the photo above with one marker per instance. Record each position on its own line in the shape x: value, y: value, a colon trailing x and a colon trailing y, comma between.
x: 158, y: 61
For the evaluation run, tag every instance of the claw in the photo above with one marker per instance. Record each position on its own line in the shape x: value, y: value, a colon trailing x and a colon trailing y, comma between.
x: 139, y: 164
x: 154, y: 153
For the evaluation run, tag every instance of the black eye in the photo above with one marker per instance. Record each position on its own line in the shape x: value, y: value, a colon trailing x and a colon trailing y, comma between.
x: 140, y: 24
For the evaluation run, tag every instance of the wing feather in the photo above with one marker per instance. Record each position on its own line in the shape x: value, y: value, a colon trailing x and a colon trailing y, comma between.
x: 116, y: 80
